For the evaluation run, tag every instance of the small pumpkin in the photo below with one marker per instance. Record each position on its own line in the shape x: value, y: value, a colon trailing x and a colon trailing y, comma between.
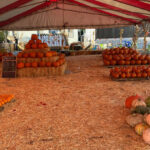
x: 20, y: 65
x: 40, y: 55
x: 134, y: 119
x: 146, y: 136
x: 139, y: 128
x: 42, y: 64
x: 138, y: 102
x: 34, y: 46
x: 32, y: 54
x: 34, y: 37
x: 48, y: 64
x: 27, y: 64
x: 34, y: 64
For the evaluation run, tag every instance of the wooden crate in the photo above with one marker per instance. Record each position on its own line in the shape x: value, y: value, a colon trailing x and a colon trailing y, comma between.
x: 9, y: 67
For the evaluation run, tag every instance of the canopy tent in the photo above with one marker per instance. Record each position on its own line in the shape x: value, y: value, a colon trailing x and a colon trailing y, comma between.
x: 58, y: 14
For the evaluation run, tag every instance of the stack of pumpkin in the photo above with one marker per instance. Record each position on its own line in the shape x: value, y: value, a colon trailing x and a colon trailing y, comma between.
x: 124, y: 56
x: 41, y: 66
x: 35, y: 43
x: 139, y: 118
x: 130, y: 72
x: 5, y: 99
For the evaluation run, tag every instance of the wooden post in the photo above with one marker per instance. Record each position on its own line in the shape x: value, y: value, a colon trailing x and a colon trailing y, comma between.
x: 121, y: 33
x: 135, y: 36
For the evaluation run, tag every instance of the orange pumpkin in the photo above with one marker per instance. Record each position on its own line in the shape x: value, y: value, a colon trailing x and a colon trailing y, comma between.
x: 40, y: 46
x: 40, y: 55
x: 45, y: 45
x: 31, y: 42
x: 19, y: 55
x: 48, y: 54
x: 27, y: 46
x: 32, y: 54
x: 20, y: 65
x: 144, y: 62
x: 56, y: 64
x: 34, y: 46
x: 42, y: 64
x: 38, y: 41
x: 144, y: 74
x: 133, y: 74
x: 34, y: 37
x: 123, y: 75
x: 25, y: 55
x: 48, y: 64
x: 10, y: 54
x: 34, y: 64
x: 27, y: 64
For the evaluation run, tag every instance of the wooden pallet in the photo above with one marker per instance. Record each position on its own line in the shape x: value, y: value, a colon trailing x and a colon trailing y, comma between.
x: 7, y: 105
x: 129, y: 79
x: 125, y: 65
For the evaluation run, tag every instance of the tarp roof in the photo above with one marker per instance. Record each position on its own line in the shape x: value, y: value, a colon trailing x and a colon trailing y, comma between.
x: 58, y: 14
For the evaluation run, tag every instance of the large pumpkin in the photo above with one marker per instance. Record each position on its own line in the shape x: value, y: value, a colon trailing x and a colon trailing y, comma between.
x: 20, y: 65
x: 129, y: 100
x: 139, y: 128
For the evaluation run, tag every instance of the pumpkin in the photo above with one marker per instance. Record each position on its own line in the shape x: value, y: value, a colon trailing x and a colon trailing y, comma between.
x: 128, y: 74
x: 42, y: 64
x: 139, y: 75
x: 115, y: 75
x: 34, y: 46
x: 123, y: 75
x: 139, y: 128
x: 132, y: 62
x: 34, y: 37
x: 113, y: 62
x: 19, y: 55
x: 40, y: 55
x: 144, y: 74
x: 25, y: 55
x: 147, y: 101
x: 133, y: 74
x: 32, y: 54
x: 55, y: 64
x: 48, y: 64
x: 147, y: 119
x: 31, y: 42
x: 48, y: 54
x: 141, y: 110
x: 129, y: 100
x: 40, y: 46
x: 45, y: 45
x: 138, y: 62
x: 144, y: 62
x: 138, y: 102
x: 146, y: 136
x: 61, y: 55
x: 27, y: 64
x: 27, y: 46
x: 106, y: 62
x: 34, y: 64
x: 10, y: 54
x: 127, y: 62
x: 38, y: 41
x: 20, y: 65
x: 134, y: 119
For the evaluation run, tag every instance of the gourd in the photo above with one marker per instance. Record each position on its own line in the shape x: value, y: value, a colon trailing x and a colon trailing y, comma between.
x: 128, y: 102
x: 141, y: 110
x: 138, y: 102
x: 147, y: 101
x: 139, y: 128
x: 134, y: 119
x: 146, y: 136
x: 147, y: 119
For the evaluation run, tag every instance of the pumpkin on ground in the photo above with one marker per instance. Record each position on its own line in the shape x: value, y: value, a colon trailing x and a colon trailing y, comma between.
x: 138, y: 102
x: 147, y: 119
x: 139, y: 128
x: 20, y: 65
x: 134, y: 119
x: 129, y: 100
x: 146, y: 136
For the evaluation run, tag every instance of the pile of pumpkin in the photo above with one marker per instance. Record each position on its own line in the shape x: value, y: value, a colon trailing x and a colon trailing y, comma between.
x: 37, y: 54
x: 34, y: 64
x: 130, y: 72
x: 124, y: 56
x: 5, y: 54
x: 35, y: 43
x: 5, y: 99
x: 139, y: 118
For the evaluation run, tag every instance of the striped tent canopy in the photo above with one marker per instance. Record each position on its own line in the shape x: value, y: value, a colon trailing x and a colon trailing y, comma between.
x: 59, y: 14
